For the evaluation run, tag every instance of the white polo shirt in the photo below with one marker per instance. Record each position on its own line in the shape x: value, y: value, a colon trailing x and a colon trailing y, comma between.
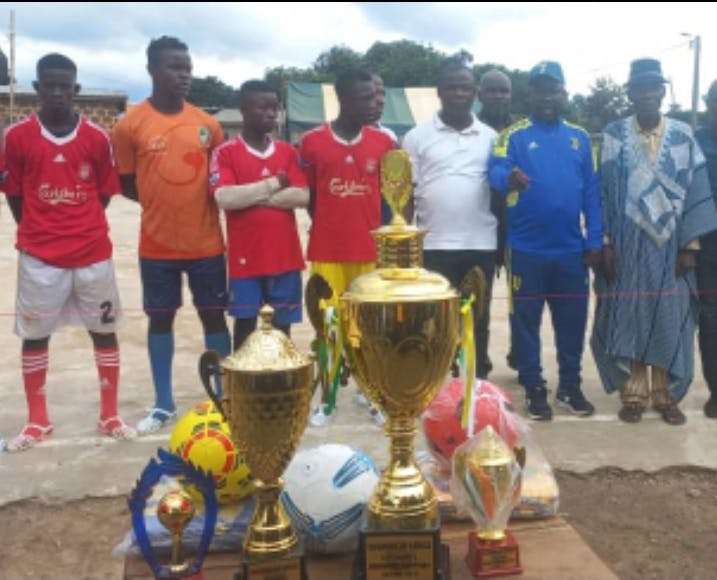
x: 452, y: 195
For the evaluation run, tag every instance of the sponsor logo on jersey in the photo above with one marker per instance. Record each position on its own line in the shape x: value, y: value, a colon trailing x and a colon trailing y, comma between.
x: 157, y: 144
x: 61, y: 195
x: 204, y: 135
x: 59, y: 158
x: 341, y: 188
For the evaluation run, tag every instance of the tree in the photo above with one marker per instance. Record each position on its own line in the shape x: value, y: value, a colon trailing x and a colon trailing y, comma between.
x: 211, y: 93
x: 606, y: 102
x: 404, y: 63
x: 337, y: 59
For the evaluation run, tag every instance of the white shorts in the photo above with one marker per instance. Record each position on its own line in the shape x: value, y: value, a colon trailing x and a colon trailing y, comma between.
x: 49, y: 298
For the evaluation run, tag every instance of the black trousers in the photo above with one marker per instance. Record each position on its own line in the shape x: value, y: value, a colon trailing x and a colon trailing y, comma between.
x: 707, y: 285
x: 454, y: 265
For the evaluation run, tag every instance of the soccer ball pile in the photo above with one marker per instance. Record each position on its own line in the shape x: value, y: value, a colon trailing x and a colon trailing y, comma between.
x: 325, y: 493
x: 204, y: 438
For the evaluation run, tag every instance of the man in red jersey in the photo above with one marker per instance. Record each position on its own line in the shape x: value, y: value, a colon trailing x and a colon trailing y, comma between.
x: 342, y: 163
x: 257, y: 181
x: 60, y: 176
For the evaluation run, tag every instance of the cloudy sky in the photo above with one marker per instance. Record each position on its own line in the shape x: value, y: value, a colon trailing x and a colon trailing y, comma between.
x: 239, y: 40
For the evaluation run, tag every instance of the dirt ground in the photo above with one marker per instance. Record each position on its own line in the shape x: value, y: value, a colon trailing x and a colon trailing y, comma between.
x: 643, y: 525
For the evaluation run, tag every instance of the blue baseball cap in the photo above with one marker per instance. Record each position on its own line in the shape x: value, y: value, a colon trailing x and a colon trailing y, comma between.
x: 549, y: 69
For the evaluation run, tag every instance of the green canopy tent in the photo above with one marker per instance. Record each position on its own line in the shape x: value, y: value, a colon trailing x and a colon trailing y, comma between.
x: 310, y: 104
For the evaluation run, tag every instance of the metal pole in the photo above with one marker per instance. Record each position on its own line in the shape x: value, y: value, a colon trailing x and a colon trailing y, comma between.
x: 696, y: 46
x: 11, y: 72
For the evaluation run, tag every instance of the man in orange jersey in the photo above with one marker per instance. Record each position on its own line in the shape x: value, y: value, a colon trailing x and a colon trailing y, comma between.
x: 163, y: 146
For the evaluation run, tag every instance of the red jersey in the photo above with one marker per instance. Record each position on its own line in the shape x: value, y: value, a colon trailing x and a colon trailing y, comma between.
x: 345, y: 180
x: 60, y: 180
x: 262, y: 240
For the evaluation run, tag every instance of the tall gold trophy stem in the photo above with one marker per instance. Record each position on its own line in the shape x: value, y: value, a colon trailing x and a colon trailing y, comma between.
x: 270, y: 531
x: 401, y: 329
x: 403, y: 499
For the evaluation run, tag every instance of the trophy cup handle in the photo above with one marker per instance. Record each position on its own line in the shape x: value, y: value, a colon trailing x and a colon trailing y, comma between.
x: 210, y: 366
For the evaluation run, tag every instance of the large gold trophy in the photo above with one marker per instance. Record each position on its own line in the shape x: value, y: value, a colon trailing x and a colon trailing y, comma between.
x: 267, y: 388
x: 401, y: 329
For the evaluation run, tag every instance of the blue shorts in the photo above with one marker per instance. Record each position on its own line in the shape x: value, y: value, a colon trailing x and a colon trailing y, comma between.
x: 162, y: 284
x: 282, y: 291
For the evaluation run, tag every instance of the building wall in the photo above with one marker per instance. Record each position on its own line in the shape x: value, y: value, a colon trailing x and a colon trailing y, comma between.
x: 101, y: 110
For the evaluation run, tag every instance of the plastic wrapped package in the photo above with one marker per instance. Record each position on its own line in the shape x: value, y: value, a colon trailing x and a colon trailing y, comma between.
x: 491, y: 406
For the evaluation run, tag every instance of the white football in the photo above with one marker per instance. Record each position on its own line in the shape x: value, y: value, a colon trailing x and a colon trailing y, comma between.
x: 325, y: 492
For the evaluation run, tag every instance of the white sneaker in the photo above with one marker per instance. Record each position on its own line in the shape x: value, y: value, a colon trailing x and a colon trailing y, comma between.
x: 361, y: 399
x: 378, y: 417
x: 319, y: 418
x: 156, y: 419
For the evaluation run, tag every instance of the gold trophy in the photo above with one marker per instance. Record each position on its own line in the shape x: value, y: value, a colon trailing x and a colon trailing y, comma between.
x: 486, y: 482
x: 401, y: 329
x: 175, y: 510
x: 267, y: 387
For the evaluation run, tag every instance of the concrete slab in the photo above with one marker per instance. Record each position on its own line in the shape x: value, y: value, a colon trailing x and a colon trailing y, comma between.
x: 77, y: 463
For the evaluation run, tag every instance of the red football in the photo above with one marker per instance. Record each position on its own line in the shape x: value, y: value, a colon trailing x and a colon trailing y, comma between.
x: 442, y: 419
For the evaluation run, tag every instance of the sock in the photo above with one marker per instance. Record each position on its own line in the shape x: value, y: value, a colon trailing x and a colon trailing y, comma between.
x: 34, y: 375
x: 219, y: 342
x: 107, y: 360
x: 161, y: 352
x: 243, y: 327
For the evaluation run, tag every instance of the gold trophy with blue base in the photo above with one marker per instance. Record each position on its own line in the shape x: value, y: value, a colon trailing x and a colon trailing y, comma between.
x: 267, y: 388
x: 400, y: 325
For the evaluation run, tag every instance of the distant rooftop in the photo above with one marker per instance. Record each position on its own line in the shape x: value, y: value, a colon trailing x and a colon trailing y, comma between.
x: 84, y: 92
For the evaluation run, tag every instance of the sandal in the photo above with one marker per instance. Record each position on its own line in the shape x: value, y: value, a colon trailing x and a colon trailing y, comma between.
x: 116, y: 428
x: 631, y: 412
x: 31, y: 435
x: 671, y: 413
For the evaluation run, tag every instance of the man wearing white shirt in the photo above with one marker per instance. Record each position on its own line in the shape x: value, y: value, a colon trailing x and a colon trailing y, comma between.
x: 449, y: 154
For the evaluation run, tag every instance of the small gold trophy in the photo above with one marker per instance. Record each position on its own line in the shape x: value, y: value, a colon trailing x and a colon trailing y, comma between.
x: 267, y: 386
x: 401, y: 329
x: 486, y: 482
x: 175, y: 510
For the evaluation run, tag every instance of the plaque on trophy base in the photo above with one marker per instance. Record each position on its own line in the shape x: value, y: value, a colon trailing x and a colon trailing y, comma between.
x: 414, y: 555
x: 488, y: 558
x: 291, y: 566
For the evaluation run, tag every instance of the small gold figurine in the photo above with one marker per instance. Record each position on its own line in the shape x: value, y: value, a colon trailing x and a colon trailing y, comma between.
x: 175, y: 510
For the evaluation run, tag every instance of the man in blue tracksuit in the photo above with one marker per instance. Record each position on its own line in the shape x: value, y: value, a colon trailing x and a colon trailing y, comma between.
x: 544, y: 166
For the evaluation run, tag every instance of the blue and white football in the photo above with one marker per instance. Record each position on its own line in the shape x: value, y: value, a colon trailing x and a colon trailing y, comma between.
x: 326, y: 489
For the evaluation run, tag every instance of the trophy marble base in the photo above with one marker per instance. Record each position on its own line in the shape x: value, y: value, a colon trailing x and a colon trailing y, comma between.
x: 386, y: 555
x: 493, y: 558
x: 292, y: 566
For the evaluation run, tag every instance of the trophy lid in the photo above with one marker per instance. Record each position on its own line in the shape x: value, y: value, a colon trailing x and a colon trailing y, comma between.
x: 267, y: 349
x: 389, y: 284
x: 492, y: 450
